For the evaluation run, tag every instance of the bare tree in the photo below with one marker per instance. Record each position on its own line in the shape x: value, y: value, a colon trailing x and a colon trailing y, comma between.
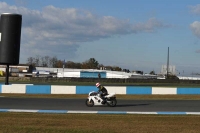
x: 45, y: 61
x: 30, y: 60
x: 37, y: 61
x: 53, y: 61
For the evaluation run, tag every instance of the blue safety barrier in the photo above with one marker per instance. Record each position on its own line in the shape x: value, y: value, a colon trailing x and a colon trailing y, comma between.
x: 87, y: 74
x: 38, y: 89
x: 85, y: 89
x: 188, y: 90
x: 138, y: 90
x: 129, y: 90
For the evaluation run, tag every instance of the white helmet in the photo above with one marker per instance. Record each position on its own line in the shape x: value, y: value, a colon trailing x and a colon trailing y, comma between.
x: 98, y: 84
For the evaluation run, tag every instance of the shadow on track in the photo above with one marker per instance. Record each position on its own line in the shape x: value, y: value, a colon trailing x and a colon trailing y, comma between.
x: 128, y: 105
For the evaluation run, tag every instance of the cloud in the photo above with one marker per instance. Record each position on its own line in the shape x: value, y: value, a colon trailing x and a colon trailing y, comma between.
x: 197, y: 51
x: 195, y: 9
x: 63, y: 30
x: 150, y: 26
x: 195, y: 27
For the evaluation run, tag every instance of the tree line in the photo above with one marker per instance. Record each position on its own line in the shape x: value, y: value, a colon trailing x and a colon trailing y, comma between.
x: 54, y: 62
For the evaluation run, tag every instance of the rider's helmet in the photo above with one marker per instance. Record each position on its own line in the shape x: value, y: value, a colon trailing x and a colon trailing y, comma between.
x: 98, y: 84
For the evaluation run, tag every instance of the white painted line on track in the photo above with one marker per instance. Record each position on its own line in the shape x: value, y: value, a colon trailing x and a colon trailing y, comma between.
x: 141, y: 113
x: 96, y: 112
x: 22, y: 110
x: 84, y: 112
x: 193, y: 113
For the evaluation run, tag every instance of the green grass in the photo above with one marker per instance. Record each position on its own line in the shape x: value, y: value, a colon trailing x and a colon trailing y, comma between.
x: 99, y: 123
x: 96, y: 123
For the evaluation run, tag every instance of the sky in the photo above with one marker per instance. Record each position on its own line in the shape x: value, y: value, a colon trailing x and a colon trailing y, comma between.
x: 131, y: 34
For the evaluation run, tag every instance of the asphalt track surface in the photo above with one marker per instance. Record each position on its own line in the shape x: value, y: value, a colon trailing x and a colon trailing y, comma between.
x: 79, y: 105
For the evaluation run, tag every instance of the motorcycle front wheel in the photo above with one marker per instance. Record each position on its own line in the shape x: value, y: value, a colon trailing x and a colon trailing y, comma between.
x: 89, y: 103
x: 112, y: 103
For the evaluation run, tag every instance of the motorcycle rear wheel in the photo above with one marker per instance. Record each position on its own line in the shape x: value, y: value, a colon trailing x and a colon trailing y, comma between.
x: 89, y: 103
x: 112, y: 103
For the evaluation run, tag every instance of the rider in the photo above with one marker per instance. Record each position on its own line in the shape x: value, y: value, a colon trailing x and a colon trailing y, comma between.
x: 102, y: 90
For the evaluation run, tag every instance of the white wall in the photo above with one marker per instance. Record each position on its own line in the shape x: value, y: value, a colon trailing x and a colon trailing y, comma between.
x: 188, y: 78
x: 116, y: 89
x: 14, y: 88
x: 164, y: 90
x: 56, y: 89
x: 68, y: 74
x: 113, y: 75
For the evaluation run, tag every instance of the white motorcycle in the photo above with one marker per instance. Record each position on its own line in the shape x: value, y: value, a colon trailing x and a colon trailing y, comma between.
x: 95, y: 99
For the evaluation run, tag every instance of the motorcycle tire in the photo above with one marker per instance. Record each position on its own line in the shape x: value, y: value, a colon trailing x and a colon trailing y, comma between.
x: 89, y: 103
x: 112, y: 103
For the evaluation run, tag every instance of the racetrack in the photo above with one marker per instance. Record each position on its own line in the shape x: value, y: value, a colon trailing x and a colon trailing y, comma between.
x: 79, y: 105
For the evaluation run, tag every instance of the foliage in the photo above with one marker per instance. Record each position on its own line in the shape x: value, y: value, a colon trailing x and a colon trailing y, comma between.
x: 71, y: 64
x: 152, y: 73
x: 116, y: 68
x: 92, y: 63
x: 45, y: 61
x: 48, y: 61
x: 172, y: 77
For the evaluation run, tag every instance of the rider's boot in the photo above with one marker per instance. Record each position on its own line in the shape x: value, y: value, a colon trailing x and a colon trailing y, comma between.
x: 104, y: 100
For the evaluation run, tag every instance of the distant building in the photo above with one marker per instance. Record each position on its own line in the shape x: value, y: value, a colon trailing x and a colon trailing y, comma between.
x: 137, y: 72
x: 171, y: 69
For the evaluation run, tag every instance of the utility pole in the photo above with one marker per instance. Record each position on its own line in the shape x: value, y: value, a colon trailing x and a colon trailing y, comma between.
x: 63, y: 68
x: 7, y: 75
x: 168, y: 63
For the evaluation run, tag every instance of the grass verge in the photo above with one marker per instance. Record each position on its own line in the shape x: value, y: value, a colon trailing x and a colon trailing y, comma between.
x: 96, y: 123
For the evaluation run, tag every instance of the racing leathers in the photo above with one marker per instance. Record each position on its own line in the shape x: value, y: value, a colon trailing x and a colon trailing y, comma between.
x: 103, y: 92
